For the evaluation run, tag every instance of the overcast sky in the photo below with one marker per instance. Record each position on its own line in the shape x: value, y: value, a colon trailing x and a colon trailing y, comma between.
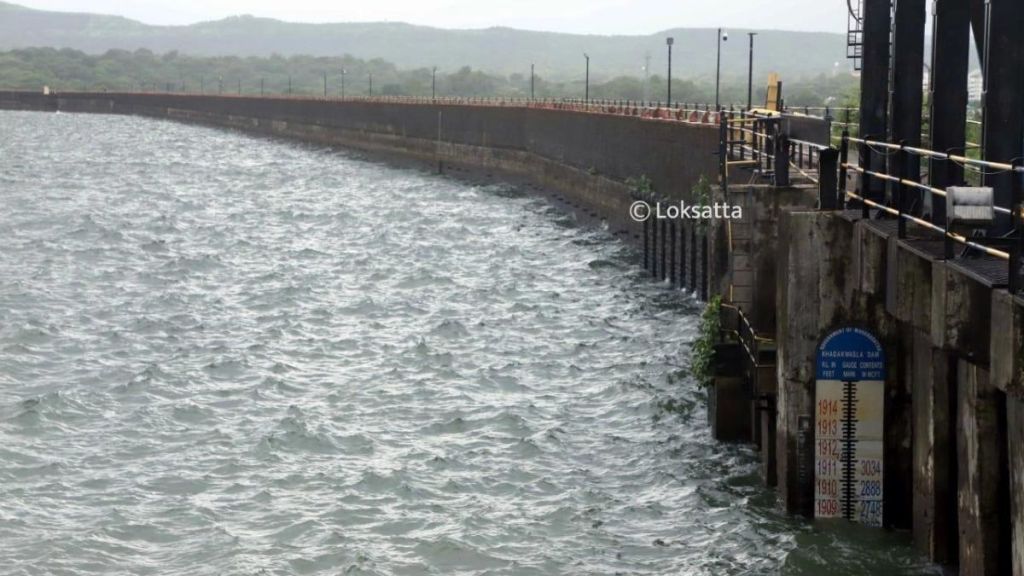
x: 579, y: 16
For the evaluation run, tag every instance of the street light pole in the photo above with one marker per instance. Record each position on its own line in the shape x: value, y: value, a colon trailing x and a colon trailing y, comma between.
x: 433, y: 84
x: 533, y: 85
x: 647, y: 76
x: 325, y: 85
x: 750, y: 73
x: 587, y: 81
x: 669, y: 42
x: 718, y: 72
x: 343, y: 73
x: 371, y: 84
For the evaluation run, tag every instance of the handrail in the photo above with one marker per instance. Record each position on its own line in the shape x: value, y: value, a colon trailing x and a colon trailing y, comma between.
x: 643, y: 110
x: 926, y: 224
x: 813, y: 145
x: 925, y: 153
x: 1008, y: 250
x: 911, y: 183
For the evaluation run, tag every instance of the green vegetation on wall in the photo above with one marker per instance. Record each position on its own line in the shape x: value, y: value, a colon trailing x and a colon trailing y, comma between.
x: 702, y: 363
x: 641, y: 186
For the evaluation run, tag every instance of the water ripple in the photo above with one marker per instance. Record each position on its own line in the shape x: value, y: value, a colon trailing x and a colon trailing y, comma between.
x: 227, y: 355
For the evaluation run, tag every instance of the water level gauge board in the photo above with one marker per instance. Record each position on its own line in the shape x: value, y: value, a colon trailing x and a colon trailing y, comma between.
x: 849, y: 424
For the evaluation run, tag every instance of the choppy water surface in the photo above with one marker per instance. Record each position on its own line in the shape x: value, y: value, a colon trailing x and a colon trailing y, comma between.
x: 229, y: 355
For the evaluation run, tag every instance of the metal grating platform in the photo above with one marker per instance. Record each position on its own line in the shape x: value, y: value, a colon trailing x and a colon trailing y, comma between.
x: 989, y: 271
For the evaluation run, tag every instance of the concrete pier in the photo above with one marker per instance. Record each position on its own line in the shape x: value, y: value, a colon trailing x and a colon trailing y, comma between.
x: 952, y: 448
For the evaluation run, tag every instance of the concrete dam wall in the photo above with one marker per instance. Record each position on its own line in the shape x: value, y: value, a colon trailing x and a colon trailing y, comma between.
x: 587, y: 157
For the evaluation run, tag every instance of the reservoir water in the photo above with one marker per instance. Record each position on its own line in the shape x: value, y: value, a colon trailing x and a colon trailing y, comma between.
x: 222, y: 354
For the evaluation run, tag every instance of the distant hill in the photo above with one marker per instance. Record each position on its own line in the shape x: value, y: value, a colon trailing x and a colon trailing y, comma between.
x: 499, y: 50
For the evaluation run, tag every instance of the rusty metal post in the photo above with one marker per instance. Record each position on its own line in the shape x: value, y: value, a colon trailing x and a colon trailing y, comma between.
x: 672, y: 253
x: 705, y: 284
x: 682, y: 255
x: 828, y: 183
x: 844, y: 158
x: 865, y: 180
x: 647, y: 244
x: 781, y: 158
x: 693, y: 257
x: 654, y: 243
x: 664, y: 250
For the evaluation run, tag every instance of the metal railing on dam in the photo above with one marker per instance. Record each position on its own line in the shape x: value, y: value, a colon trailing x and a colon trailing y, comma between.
x: 688, y: 113
x: 886, y: 186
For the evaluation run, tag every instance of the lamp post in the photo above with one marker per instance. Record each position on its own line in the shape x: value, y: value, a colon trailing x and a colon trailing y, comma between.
x: 750, y: 73
x: 669, y: 42
x: 325, y: 85
x: 343, y: 73
x: 647, y: 76
x: 587, y: 80
x: 718, y: 73
x: 533, y: 84
x: 370, y: 75
x: 433, y: 84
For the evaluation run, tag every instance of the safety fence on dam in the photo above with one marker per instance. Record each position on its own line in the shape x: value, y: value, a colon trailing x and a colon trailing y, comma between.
x: 873, y: 355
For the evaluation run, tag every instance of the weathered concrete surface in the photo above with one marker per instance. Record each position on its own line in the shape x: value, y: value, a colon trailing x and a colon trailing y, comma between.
x: 813, y: 259
x: 961, y: 313
x: 979, y: 445
x: 909, y: 293
x: 747, y: 250
x: 730, y: 418
x: 744, y: 257
x: 935, y: 486
x: 1006, y: 354
x: 870, y: 253
x: 832, y: 273
x: 1015, y: 428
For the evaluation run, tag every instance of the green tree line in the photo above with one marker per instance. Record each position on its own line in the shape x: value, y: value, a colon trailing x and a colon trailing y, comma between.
x: 143, y: 70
